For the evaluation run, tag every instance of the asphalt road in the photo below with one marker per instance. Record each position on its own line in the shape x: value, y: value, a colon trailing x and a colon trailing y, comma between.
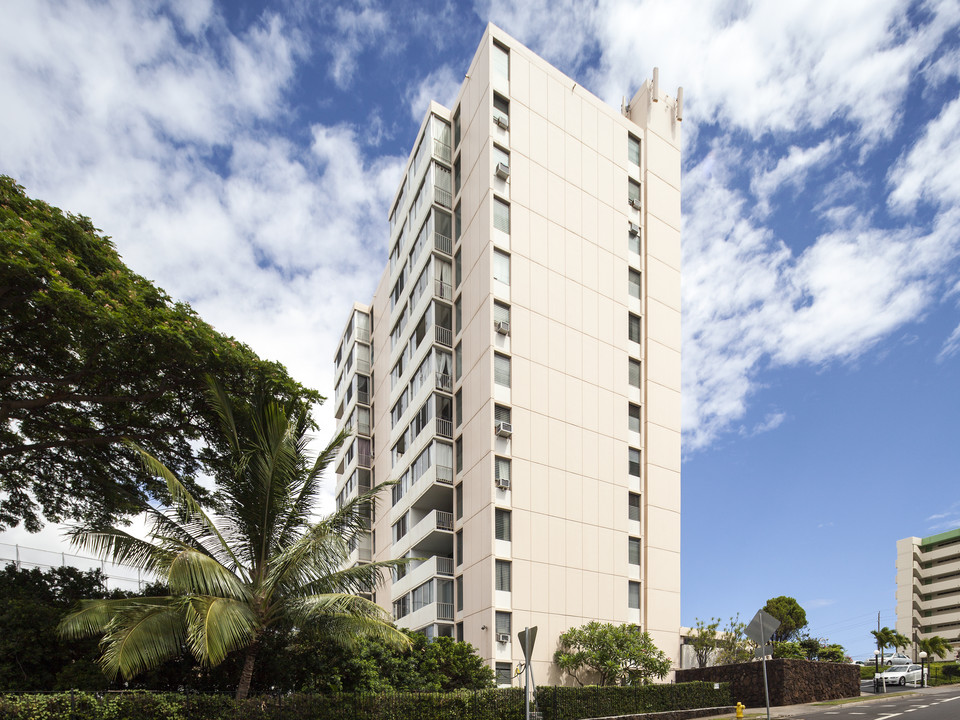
x: 918, y: 704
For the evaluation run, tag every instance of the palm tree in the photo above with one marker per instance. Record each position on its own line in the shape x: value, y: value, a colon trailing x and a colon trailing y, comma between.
x: 260, y: 561
x: 885, y: 638
x: 935, y: 646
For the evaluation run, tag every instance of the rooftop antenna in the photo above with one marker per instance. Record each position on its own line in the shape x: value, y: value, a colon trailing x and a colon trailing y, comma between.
x: 680, y: 104
x: 656, y: 84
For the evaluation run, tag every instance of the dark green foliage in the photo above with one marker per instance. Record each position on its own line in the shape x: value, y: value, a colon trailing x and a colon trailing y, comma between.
x: 792, y: 617
x: 810, y: 648
x: 605, y: 654
x: 32, y: 656
x: 704, y: 640
x: 555, y: 703
x: 92, y: 353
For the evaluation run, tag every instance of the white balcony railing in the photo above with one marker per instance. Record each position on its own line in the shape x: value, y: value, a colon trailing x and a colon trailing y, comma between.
x: 444, y: 428
x: 442, y: 197
x: 443, y: 243
x: 444, y: 475
x: 442, y: 290
x: 444, y: 336
x: 441, y: 150
x: 444, y: 382
x: 445, y: 566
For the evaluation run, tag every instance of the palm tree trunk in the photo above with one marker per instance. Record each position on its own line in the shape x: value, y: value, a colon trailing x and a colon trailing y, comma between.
x: 243, y: 689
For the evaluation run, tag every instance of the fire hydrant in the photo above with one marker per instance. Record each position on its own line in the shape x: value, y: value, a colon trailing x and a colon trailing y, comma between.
x: 740, y: 707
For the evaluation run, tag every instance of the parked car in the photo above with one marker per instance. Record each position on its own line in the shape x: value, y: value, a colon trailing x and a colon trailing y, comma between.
x: 903, y: 674
x: 896, y: 658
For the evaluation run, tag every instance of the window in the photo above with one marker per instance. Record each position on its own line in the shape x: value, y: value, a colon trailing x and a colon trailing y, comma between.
x: 458, y: 449
x: 504, y: 673
x: 401, y: 607
x: 400, y: 528
x: 502, y: 522
x: 634, y: 373
x: 633, y: 283
x: 634, y: 462
x: 633, y: 595
x: 501, y: 369
x: 633, y: 328
x: 501, y: 215
x: 503, y: 575
x: 457, y: 222
x: 460, y: 629
x: 458, y: 404
x: 501, y: 267
x: 501, y: 468
x: 633, y: 551
x: 460, y: 599
x: 633, y: 192
x: 634, y: 243
x: 633, y: 150
x: 501, y: 313
x: 456, y: 176
x: 457, y: 269
x: 457, y: 316
x: 501, y: 61
x: 458, y: 498
x: 501, y: 413
x: 459, y: 547
x: 503, y: 623
x: 501, y: 110
x: 634, y: 418
x: 456, y: 128
x: 458, y: 362
x: 500, y: 157
x: 633, y: 503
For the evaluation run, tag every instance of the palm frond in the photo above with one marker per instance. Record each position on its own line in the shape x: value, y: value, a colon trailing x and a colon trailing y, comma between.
x: 217, y: 626
x: 191, y: 572
x: 223, y: 407
x: 116, y: 546
x: 142, y: 636
x: 93, y: 617
x: 346, y: 616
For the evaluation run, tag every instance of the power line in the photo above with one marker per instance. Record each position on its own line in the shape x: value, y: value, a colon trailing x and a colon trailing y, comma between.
x: 21, y: 555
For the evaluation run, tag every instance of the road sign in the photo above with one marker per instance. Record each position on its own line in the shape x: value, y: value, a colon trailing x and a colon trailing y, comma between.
x: 762, y: 627
x: 522, y: 635
x: 762, y: 651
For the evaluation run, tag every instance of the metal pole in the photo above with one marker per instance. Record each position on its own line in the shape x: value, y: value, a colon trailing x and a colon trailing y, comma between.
x: 526, y: 672
x: 763, y: 649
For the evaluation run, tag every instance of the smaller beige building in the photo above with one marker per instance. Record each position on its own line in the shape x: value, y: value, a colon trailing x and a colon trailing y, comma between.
x: 928, y: 587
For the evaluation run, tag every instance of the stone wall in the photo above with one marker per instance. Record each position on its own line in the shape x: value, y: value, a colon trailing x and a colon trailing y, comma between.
x: 791, y: 682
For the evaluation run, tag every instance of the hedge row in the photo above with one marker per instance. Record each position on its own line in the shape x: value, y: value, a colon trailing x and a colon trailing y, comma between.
x: 501, y: 704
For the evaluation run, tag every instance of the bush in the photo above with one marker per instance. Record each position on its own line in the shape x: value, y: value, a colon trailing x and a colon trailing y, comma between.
x: 569, y: 703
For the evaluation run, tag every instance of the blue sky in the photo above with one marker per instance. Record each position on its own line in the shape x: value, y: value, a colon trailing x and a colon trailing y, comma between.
x: 242, y: 155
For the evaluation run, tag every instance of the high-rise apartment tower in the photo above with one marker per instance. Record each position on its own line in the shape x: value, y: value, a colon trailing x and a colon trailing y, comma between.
x: 518, y: 370
x: 928, y: 588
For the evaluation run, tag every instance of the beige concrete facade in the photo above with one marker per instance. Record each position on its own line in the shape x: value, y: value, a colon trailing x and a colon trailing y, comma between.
x: 525, y: 377
x: 928, y: 587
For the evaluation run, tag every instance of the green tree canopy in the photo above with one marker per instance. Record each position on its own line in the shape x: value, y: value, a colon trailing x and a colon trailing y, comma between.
x: 733, y: 645
x: 935, y: 646
x: 92, y: 353
x: 261, y: 563
x: 703, y: 639
x: 609, y: 654
x: 792, y: 617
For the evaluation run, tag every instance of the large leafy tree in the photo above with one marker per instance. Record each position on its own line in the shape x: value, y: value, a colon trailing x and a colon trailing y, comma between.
x: 608, y: 654
x: 92, y: 353
x: 792, y: 617
x: 703, y: 639
x: 261, y: 562
x: 733, y: 645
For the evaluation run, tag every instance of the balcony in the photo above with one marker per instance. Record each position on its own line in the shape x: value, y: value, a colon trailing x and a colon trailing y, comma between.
x: 441, y: 151
x: 445, y: 428
x: 442, y: 243
x: 363, y: 427
x: 443, y: 290
x: 444, y: 336
x: 363, y: 335
x: 419, y: 572
x: 442, y: 197
x: 444, y: 475
x: 444, y: 382
x: 433, y: 535
x: 363, y: 397
x: 427, y: 615
x: 363, y: 366
x: 365, y: 460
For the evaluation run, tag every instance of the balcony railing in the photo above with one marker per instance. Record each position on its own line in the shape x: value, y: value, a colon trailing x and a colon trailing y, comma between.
x: 444, y: 428
x: 444, y: 382
x: 442, y: 197
x: 444, y: 336
x: 444, y: 611
x: 445, y: 566
x: 444, y: 520
x: 363, y: 366
x: 365, y: 460
x: 444, y: 474
x: 443, y: 243
x: 441, y: 290
x: 363, y: 335
x: 363, y: 397
x: 441, y: 150
x: 363, y: 427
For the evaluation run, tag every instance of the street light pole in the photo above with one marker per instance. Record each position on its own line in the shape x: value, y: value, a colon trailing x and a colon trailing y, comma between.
x: 923, y: 660
x: 876, y: 671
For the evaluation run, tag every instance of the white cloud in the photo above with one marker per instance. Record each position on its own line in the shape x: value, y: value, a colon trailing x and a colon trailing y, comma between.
x: 951, y: 346
x: 930, y: 170
x: 357, y: 29
x: 441, y: 85
x: 790, y: 170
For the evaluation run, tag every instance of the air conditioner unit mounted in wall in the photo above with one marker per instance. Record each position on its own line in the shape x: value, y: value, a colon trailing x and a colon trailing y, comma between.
x: 634, y: 229
x: 503, y: 429
x: 502, y: 120
x: 503, y: 483
x: 502, y: 327
x: 635, y: 203
x: 503, y: 638
x: 503, y: 171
